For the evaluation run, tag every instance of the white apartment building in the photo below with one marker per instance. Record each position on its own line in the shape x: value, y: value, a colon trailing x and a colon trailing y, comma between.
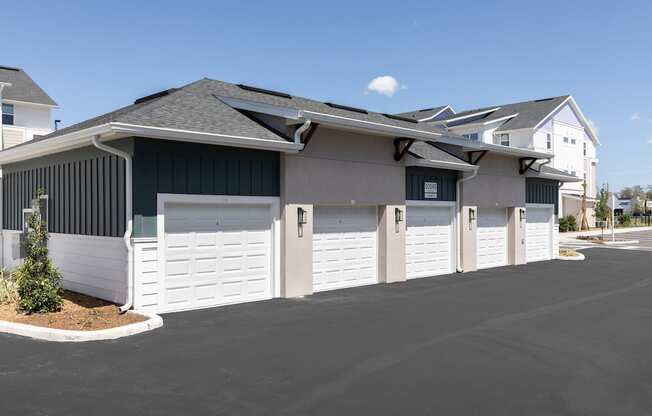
x: 26, y: 108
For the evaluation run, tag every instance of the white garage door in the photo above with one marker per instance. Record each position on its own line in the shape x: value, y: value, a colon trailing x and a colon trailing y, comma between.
x: 344, y: 247
x: 539, y: 233
x: 429, y: 241
x: 492, y: 237
x: 216, y: 255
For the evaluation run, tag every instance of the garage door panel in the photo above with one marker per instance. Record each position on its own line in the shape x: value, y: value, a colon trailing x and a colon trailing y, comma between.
x: 492, y: 238
x: 429, y: 241
x: 344, y: 247
x: 216, y: 254
x: 539, y: 233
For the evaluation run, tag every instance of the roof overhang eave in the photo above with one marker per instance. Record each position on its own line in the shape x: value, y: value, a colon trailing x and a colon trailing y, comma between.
x: 552, y: 176
x: 470, y: 146
x: 110, y: 131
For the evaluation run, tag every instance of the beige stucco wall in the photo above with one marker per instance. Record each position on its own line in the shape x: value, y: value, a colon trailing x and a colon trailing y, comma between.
x: 340, y: 168
x: 391, y: 245
x: 469, y: 237
x: 497, y: 185
x: 516, y: 229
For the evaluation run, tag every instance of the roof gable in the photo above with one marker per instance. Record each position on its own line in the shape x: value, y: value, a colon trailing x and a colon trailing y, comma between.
x: 23, y: 88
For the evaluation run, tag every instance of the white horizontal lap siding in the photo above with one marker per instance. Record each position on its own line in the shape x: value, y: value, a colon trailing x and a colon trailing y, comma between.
x: 95, y: 266
x: 429, y: 240
x: 344, y: 247
x: 146, y: 291
x: 555, y: 239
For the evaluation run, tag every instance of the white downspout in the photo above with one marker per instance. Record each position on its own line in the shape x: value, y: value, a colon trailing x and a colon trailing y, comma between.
x: 458, y: 222
x: 300, y: 130
x: 128, y: 208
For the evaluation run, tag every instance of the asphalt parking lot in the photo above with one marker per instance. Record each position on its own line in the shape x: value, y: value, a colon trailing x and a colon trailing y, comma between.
x: 551, y: 338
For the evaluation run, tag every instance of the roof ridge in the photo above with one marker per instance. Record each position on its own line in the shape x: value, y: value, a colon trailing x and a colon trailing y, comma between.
x: 514, y: 103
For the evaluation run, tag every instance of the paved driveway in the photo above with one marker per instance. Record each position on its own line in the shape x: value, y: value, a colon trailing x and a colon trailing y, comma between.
x: 552, y: 338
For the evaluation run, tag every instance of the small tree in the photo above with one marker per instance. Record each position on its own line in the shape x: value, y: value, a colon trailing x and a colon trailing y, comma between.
x: 38, y: 281
x: 567, y: 223
x: 602, y: 211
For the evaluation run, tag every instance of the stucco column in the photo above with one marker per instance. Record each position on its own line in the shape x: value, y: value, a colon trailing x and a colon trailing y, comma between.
x: 469, y: 233
x: 391, y: 244
x: 296, y: 252
x: 516, y: 229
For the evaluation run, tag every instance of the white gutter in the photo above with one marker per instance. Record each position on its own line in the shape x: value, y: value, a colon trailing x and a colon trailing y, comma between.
x: 128, y: 213
x: 458, y: 222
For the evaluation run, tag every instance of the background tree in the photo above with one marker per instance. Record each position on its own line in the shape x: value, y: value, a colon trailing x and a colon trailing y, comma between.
x: 602, y: 210
x: 38, y: 281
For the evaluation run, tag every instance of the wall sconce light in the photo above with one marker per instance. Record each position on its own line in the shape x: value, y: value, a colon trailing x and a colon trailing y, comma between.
x: 302, y: 218
x: 398, y: 215
x: 523, y: 214
x: 471, y: 217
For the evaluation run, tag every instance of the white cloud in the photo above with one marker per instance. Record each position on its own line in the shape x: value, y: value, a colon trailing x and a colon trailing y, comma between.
x: 385, y: 85
x: 649, y: 141
x: 635, y: 117
x: 594, y: 126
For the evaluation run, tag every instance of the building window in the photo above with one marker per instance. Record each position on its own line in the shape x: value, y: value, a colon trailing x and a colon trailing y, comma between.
x: 501, y: 139
x: 566, y: 139
x: 471, y: 136
x: 573, y: 141
x: 549, y: 141
x: 584, y: 148
x: 8, y: 114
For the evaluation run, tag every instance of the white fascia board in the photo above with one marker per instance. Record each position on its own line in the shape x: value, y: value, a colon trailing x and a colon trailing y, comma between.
x: 448, y: 107
x: 464, y: 167
x: 27, y: 103
x: 109, y: 131
x: 561, y: 178
x: 477, y: 113
x: 257, y: 107
x: 379, y: 128
x: 69, y: 141
x: 201, y: 137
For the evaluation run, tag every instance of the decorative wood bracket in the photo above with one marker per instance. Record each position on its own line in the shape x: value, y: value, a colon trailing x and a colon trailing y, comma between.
x: 477, y: 159
x: 401, y: 147
x: 525, y: 164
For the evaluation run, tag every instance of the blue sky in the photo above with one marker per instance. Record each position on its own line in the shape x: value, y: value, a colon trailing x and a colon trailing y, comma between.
x: 93, y: 57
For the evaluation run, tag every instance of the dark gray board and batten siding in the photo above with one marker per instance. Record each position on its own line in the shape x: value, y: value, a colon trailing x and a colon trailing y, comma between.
x: 191, y: 168
x: 542, y: 191
x: 415, y: 177
x: 85, y: 188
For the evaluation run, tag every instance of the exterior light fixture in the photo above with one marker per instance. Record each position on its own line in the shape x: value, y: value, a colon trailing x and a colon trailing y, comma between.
x: 398, y: 215
x: 471, y: 215
x: 302, y: 219
x: 523, y: 214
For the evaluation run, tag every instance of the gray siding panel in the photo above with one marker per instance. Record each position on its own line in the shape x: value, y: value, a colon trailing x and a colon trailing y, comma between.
x: 80, y: 188
x: 416, y: 176
x: 187, y: 168
x: 542, y: 191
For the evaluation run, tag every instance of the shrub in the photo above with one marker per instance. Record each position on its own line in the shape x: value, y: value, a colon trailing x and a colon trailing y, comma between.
x: 8, y: 290
x: 567, y: 223
x: 38, y: 281
x: 625, y: 220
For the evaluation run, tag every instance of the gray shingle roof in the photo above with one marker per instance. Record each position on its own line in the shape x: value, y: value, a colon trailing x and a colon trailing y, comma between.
x: 421, y: 114
x: 192, y: 107
x: 23, y: 88
x: 530, y: 113
x: 196, y: 107
x: 428, y: 151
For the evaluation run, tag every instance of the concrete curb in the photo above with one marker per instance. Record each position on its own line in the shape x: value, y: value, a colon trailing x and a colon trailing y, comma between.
x: 66, y: 335
x: 620, y: 243
x: 579, y: 257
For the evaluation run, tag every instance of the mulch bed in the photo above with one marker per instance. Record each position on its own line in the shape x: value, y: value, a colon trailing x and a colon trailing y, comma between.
x: 79, y: 312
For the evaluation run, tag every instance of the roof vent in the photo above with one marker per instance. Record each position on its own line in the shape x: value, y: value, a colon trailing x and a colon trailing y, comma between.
x: 264, y: 91
x: 155, y: 96
x: 347, y: 108
x: 426, y: 109
x: 395, y: 117
x: 9, y: 68
x: 543, y: 99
